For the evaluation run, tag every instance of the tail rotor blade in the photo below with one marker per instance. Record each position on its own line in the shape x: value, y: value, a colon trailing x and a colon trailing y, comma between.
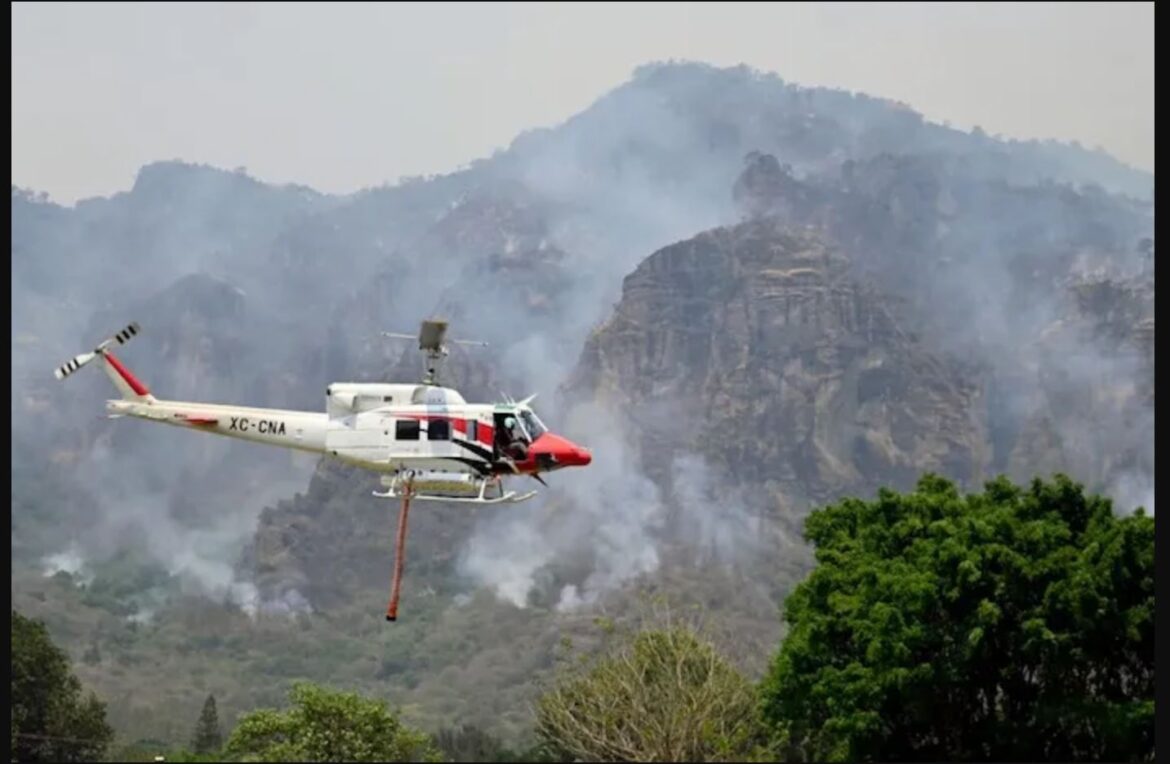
x: 124, y: 336
x: 73, y: 365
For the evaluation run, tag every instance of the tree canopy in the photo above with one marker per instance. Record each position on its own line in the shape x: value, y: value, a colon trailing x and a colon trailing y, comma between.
x: 667, y: 695
x: 51, y: 720
x: 1012, y: 624
x: 326, y: 725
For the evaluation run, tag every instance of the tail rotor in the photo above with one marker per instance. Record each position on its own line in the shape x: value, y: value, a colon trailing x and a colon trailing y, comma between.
x: 75, y: 363
x: 126, y: 383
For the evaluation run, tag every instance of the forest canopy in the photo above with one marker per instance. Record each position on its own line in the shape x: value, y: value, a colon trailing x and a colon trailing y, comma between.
x: 1011, y: 624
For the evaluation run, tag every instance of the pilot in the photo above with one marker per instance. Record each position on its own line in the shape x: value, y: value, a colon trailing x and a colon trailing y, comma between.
x: 516, y: 447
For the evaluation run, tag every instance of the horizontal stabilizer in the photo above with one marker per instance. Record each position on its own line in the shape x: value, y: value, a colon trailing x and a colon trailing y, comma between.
x: 197, y: 419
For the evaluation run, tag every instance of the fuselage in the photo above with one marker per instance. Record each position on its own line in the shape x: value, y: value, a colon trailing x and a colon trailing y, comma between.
x: 386, y: 428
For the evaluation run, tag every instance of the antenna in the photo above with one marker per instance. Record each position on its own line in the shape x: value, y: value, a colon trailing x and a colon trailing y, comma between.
x: 431, y: 334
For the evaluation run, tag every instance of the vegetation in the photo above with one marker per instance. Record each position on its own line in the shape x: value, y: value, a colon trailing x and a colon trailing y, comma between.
x: 667, y: 695
x: 1011, y: 624
x: 470, y: 743
x: 1005, y: 625
x: 51, y: 721
x: 325, y: 725
x: 207, y: 738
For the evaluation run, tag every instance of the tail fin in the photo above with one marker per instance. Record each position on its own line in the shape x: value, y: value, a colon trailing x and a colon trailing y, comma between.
x: 127, y: 384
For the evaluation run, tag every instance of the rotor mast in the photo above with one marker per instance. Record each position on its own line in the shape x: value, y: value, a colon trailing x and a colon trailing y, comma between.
x: 431, y: 336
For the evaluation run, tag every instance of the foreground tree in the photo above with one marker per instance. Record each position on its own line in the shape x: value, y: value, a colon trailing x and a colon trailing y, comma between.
x: 665, y: 696
x: 207, y: 738
x: 1011, y: 625
x: 51, y: 721
x: 324, y: 725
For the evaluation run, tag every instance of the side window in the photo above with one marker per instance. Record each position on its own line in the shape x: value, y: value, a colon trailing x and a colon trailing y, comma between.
x: 438, y: 429
x: 406, y: 429
x: 472, y: 430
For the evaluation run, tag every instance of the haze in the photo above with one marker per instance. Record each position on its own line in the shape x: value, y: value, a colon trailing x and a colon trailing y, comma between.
x: 347, y: 96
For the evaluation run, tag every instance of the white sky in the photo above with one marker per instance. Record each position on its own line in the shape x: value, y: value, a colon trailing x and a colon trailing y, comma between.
x: 348, y: 95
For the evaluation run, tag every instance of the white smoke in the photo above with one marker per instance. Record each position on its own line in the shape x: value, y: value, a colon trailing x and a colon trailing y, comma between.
x: 570, y: 599
x: 69, y: 561
x: 1132, y: 490
x: 200, y: 559
x: 504, y: 555
x: 711, y: 516
x: 610, y: 513
x: 247, y: 597
x: 142, y: 616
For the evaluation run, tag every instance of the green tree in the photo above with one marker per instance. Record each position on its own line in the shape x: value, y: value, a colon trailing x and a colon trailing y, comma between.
x: 51, y: 721
x: 324, y: 725
x: 667, y: 695
x: 1014, y: 625
x: 207, y: 738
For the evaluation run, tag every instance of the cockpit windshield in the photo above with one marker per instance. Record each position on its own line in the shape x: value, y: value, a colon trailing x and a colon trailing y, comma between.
x: 532, y: 423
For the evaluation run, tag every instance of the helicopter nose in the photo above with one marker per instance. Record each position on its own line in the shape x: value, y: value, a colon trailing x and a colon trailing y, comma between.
x: 560, y: 452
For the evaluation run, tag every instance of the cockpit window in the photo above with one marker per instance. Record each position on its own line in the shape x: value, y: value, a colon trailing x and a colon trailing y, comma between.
x: 532, y: 424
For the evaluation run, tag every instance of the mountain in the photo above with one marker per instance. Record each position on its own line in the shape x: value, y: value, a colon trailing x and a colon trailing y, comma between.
x: 746, y: 296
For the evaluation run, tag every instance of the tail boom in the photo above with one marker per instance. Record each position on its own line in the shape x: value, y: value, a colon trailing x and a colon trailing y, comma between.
x: 300, y: 430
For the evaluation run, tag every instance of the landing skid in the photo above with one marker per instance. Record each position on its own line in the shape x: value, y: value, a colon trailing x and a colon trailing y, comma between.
x: 416, y: 490
x: 511, y: 497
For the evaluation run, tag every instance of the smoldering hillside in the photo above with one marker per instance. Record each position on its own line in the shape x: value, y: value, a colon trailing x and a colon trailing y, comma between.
x: 676, y: 271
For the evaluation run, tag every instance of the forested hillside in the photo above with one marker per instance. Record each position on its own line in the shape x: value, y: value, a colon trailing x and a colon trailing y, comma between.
x: 749, y: 298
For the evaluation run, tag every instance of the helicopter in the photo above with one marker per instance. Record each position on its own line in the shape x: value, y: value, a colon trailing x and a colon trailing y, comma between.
x: 427, y: 442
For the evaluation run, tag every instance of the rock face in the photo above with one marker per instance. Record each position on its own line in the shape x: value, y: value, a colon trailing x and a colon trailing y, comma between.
x: 754, y: 346
x: 905, y: 315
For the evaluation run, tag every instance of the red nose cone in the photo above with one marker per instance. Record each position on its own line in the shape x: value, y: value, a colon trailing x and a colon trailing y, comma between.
x: 550, y: 452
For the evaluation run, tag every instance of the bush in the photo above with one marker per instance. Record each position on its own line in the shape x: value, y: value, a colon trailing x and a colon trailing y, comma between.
x: 667, y: 695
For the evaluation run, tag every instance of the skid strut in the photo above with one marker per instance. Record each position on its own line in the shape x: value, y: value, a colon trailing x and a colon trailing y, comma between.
x: 399, y: 550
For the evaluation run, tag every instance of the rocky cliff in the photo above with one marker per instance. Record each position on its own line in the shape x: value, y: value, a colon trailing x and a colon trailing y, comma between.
x: 756, y: 346
x: 860, y: 328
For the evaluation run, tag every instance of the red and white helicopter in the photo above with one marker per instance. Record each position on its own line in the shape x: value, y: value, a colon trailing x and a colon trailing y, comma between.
x: 429, y: 443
